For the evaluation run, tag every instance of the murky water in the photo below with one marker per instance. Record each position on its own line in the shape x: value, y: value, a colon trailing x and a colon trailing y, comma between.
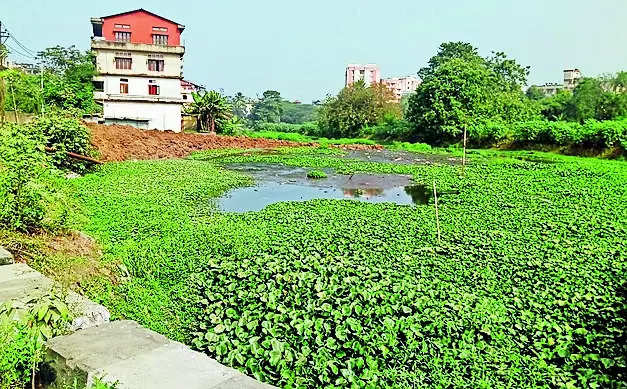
x: 275, y: 183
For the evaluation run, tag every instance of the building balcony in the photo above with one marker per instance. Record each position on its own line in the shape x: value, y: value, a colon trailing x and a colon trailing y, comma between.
x: 101, y: 44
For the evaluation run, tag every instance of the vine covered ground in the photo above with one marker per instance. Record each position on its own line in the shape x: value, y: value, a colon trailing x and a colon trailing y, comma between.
x: 526, y: 288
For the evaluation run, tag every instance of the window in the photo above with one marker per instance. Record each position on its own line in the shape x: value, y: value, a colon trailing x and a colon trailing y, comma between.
x: 159, y: 29
x: 153, y: 88
x: 122, y: 36
x: 123, y: 63
x: 155, y: 65
x: 124, y: 86
x: 159, y: 39
x: 98, y: 86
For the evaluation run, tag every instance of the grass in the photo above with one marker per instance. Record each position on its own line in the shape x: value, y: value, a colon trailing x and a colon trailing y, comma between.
x: 295, y: 137
x: 526, y: 290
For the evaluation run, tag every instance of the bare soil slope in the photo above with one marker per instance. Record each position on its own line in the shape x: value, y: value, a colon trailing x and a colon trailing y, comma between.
x: 118, y: 143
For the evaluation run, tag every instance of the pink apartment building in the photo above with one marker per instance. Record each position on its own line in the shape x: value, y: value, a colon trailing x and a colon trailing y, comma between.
x: 369, y: 73
x: 402, y: 85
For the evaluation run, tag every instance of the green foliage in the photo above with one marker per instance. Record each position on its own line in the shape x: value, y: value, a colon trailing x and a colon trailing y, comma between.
x: 357, y: 106
x: 23, y: 332
x: 391, y: 128
x: 32, y: 194
x: 212, y: 110
x: 297, y: 113
x: 295, y: 137
x: 67, y: 83
x: 64, y: 132
x: 269, y: 108
x: 316, y: 174
x: 461, y: 89
x: 525, y: 290
x: 308, y: 128
x: 602, y: 98
x: 591, y: 134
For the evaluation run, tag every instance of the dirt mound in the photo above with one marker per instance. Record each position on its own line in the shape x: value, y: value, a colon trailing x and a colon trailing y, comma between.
x: 118, y: 143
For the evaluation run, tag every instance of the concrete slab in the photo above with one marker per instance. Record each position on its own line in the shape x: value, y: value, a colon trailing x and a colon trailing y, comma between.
x: 21, y: 284
x: 137, y: 358
x: 6, y: 258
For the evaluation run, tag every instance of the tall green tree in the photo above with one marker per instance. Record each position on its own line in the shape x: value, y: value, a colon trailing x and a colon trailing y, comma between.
x: 461, y: 89
x: 448, y: 51
x: 586, y: 98
x: 356, y: 107
x: 269, y: 108
x: 241, y: 105
x: 212, y: 110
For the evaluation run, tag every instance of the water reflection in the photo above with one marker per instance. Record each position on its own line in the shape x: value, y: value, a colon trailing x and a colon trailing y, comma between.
x: 276, y: 183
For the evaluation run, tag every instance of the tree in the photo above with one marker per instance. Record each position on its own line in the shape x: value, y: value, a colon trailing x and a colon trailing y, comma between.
x: 586, y: 98
x: 212, y: 110
x: 509, y: 71
x: 356, y: 107
x: 534, y: 93
x: 241, y: 105
x: 446, y: 52
x: 460, y: 89
x: 554, y: 107
x: 268, y: 108
x: 457, y: 94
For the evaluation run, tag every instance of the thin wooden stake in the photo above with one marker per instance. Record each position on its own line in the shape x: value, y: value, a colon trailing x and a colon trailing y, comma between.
x: 464, y: 157
x: 437, y: 217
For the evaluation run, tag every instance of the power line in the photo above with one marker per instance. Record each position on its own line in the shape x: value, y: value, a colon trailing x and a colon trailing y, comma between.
x: 13, y: 50
x: 26, y: 49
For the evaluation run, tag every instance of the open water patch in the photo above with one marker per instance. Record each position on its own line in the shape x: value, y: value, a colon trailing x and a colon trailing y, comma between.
x: 275, y: 183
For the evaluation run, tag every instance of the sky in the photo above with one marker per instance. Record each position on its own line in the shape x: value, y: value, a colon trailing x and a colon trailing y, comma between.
x: 301, y: 48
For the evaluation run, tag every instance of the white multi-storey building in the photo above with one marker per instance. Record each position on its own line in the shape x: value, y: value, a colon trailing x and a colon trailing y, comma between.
x: 139, y: 60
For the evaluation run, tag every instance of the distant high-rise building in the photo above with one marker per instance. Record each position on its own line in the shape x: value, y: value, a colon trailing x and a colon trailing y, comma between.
x: 571, y: 78
x: 402, y: 85
x: 369, y: 73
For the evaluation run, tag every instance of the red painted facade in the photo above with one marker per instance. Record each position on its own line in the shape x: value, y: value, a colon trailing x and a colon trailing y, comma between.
x: 141, y: 25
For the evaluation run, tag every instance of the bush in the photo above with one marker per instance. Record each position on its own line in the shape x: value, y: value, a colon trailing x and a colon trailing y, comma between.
x: 391, y: 128
x: 308, y: 128
x: 593, y: 133
x: 30, y: 187
x: 64, y: 133
x: 23, y: 332
x: 316, y: 174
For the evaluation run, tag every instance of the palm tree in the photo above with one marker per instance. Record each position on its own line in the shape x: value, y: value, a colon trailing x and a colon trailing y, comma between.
x: 211, y: 109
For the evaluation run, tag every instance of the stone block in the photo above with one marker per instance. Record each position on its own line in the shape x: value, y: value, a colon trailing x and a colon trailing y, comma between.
x: 6, y: 258
x: 134, y: 357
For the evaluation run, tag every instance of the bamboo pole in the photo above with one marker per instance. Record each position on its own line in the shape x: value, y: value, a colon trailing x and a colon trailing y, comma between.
x: 437, y: 217
x: 75, y: 156
x: 464, y: 157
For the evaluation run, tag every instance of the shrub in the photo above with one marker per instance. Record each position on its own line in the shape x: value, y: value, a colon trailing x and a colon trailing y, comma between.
x: 316, y: 174
x: 31, y: 195
x: 23, y: 332
x: 64, y: 133
x: 308, y: 128
x: 391, y: 128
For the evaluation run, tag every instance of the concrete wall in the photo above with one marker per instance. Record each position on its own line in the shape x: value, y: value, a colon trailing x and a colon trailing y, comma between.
x: 371, y: 74
x: 169, y: 88
x: 9, y: 116
x: 173, y: 63
x: 160, y: 116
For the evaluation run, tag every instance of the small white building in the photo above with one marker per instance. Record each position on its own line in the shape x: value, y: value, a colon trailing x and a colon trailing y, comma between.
x: 139, y: 62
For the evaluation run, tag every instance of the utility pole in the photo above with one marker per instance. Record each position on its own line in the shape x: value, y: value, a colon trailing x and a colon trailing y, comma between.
x: 4, y: 35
